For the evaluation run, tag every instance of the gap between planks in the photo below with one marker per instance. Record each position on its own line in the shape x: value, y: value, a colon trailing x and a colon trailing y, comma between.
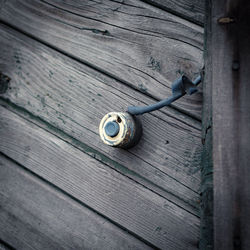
x: 5, y: 246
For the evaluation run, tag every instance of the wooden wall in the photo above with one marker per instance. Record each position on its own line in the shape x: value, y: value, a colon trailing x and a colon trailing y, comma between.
x: 65, y: 64
x: 228, y: 71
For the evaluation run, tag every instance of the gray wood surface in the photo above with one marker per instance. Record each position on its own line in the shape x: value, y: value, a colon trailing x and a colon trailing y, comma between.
x: 231, y: 123
x: 1, y: 4
x: 206, y: 238
x: 74, y: 98
x: 34, y: 215
x: 142, y: 46
x: 74, y: 62
x: 189, y: 9
x: 115, y: 196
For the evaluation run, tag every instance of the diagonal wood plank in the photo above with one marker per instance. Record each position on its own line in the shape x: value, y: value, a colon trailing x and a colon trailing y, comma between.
x: 142, y: 46
x: 127, y: 203
x: 74, y: 98
x: 34, y: 215
x: 189, y: 9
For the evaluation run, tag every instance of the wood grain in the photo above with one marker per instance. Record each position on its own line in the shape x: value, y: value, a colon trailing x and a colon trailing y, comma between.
x: 230, y: 54
x: 206, y: 238
x: 142, y: 46
x: 189, y: 9
x: 34, y: 215
x: 122, y: 200
x: 74, y: 98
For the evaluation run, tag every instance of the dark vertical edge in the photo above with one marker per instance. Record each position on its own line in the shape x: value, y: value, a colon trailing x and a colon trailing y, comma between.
x: 225, y: 98
x: 231, y: 123
x: 206, y: 233
x: 244, y: 111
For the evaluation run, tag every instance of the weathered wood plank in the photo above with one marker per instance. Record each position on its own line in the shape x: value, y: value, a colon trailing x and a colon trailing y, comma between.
x: 35, y: 215
x: 74, y: 98
x: 231, y: 123
x: 106, y: 191
x: 142, y: 46
x: 189, y: 9
x: 206, y: 238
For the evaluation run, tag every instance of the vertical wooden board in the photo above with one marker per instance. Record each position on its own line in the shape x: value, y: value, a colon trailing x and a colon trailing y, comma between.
x: 34, y: 215
x: 244, y: 121
x: 231, y: 123
x: 189, y: 9
x: 142, y: 46
x: 74, y: 98
x: 206, y: 238
x: 124, y: 201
